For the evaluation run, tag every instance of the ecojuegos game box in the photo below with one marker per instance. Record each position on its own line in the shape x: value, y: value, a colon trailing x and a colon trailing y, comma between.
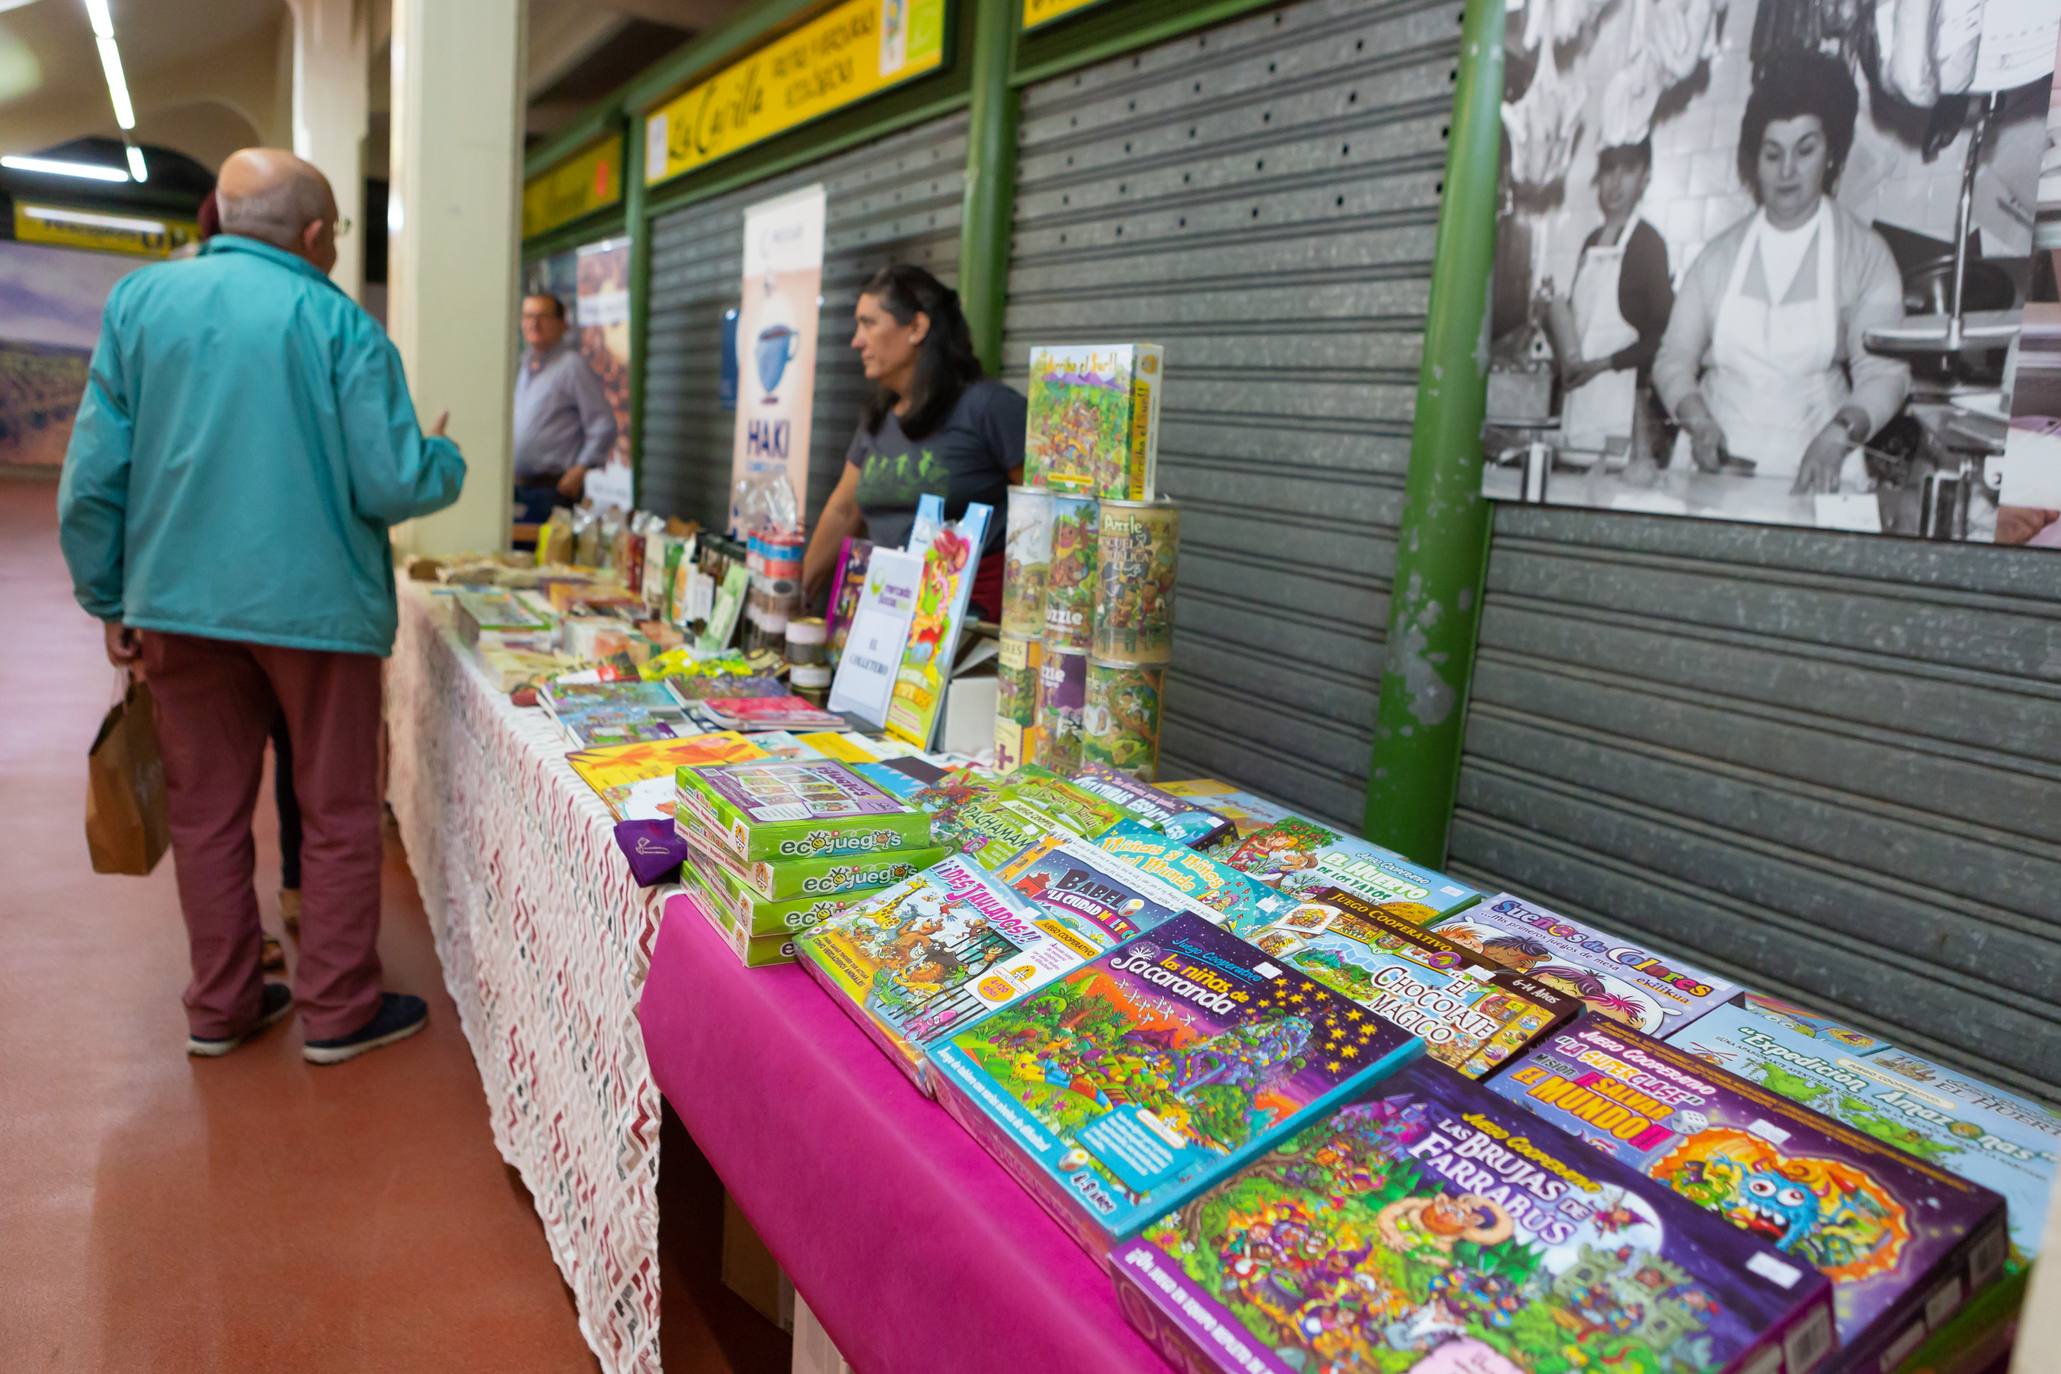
x: 1431, y: 1226
x: 1124, y: 1087
x: 1471, y: 1013
x: 1294, y: 855
x: 1904, y: 1242
x: 797, y: 809
x: 1614, y: 977
x: 787, y: 879
x: 1941, y: 1115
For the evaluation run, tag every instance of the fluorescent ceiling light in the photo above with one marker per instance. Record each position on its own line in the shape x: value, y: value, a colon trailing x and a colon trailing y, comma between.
x: 103, y: 25
x: 137, y: 170
x: 93, y: 171
x: 53, y: 215
x: 117, y: 87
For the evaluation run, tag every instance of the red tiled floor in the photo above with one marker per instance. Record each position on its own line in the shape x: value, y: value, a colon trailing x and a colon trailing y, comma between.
x: 251, y: 1213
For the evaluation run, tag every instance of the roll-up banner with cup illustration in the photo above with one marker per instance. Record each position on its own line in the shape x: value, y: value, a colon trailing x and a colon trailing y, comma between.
x: 776, y: 339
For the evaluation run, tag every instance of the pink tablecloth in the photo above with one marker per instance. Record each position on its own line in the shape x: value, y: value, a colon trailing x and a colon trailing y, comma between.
x: 909, y: 1244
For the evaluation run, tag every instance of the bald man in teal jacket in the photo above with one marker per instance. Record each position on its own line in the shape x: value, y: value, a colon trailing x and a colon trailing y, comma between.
x: 245, y: 441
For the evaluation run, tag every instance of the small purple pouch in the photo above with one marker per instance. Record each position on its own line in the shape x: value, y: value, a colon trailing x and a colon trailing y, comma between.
x: 655, y: 852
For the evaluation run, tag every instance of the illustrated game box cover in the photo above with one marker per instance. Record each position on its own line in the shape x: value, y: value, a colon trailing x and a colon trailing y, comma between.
x: 797, y: 809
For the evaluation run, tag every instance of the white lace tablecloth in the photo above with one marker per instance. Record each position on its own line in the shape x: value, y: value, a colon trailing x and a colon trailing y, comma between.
x: 545, y: 940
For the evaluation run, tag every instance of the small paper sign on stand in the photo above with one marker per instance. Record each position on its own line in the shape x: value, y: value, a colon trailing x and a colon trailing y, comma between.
x: 865, y: 681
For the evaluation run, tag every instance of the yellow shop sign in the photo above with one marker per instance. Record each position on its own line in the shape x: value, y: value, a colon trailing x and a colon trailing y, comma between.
x: 589, y: 180
x: 1038, y: 12
x: 850, y: 52
x: 104, y: 231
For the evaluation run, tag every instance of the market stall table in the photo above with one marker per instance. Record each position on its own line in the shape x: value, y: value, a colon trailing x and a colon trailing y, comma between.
x: 911, y: 1246
x: 544, y: 941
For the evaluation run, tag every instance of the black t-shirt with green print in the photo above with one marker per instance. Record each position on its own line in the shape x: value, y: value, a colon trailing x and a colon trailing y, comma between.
x: 967, y: 458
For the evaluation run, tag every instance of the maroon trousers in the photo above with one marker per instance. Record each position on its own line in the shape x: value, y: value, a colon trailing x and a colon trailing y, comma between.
x: 216, y: 701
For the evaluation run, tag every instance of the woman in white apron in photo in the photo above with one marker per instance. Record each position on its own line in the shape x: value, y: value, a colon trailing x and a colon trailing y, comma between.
x: 1763, y: 359
x: 1619, y: 303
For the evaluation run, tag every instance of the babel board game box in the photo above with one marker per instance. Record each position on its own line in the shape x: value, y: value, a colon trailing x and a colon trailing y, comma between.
x: 1237, y: 899
x: 1122, y: 1088
x: 760, y: 916
x: 797, y: 809
x: 1176, y: 817
x: 934, y: 952
x: 782, y: 879
x: 1904, y: 1242
x: 1294, y: 855
x: 1431, y: 1226
x: 1472, y: 1013
x: 1613, y: 976
x: 1104, y: 898
x: 1981, y: 1132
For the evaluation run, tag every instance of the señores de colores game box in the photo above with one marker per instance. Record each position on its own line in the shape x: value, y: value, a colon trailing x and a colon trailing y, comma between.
x: 1904, y: 1242
x: 1121, y: 1089
x: 1431, y: 1226
x: 1472, y: 1014
x: 796, y: 809
x: 1294, y: 855
x: 1941, y: 1115
x: 1613, y: 976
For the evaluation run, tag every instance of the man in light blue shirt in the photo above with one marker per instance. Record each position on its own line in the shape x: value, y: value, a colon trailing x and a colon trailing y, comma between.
x: 245, y: 440
x: 564, y: 425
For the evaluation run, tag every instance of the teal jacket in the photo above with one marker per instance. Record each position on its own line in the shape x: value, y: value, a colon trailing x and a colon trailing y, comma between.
x: 245, y: 440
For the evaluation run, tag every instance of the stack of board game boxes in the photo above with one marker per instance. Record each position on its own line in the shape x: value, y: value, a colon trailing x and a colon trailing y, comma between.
x: 776, y: 845
x: 1314, y: 1107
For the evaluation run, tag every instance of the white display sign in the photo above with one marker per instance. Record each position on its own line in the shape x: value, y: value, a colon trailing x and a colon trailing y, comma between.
x: 865, y: 680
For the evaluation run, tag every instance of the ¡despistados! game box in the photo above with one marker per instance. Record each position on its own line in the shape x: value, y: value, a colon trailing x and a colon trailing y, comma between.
x: 1122, y: 1088
x: 1432, y: 1226
x: 1904, y: 1242
x: 797, y: 809
x: 934, y: 952
x: 1294, y: 855
x: 1472, y: 1013
x: 1615, y: 977
x: 1103, y: 898
x: 1941, y: 1115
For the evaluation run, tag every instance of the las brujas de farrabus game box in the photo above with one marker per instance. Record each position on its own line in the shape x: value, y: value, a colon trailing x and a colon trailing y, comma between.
x: 1614, y: 977
x: 796, y: 809
x: 1904, y: 1242
x: 1294, y: 854
x: 1117, y: 1091
x: 1430, y: 1226
x: 931, y: 954
x: 1471, y: 1012
x: 1998, y: 1139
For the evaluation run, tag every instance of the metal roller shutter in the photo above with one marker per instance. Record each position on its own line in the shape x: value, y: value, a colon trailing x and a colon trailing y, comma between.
x: 1262, y: 199
x: 896, y: 200
x: 1828, y: 764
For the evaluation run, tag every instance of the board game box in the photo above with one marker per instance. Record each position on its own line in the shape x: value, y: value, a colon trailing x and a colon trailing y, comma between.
x: 1194, y: 826
x: 783, y: 879
x: 595, y: 715
x: 760, y: 916
x: 1093, y: 419
x: 901, y: 778
x: 1904, y: 1242
x: 1106, y: 899
x: 1237, y: 899
x: 1029, y: 804
x: 1613, y: 976
x: 1431, y: 1226
x: 934, y: 952
x: 2003, y: 1141
x: 638, y: 781
x: 752, y: 951
x: 1121, y: 1089
x: 1294, y: 855
x: 1472, y: 1013
x: 797, y: 809
x: 1246, y: 812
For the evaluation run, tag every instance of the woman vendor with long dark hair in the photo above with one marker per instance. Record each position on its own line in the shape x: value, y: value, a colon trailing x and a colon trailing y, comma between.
x: 934, y: 426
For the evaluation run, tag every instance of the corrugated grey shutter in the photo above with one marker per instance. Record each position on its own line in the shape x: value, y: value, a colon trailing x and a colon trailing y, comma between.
x: 1262, y: 199
x: 896, y: 200
x: 1832, y: 761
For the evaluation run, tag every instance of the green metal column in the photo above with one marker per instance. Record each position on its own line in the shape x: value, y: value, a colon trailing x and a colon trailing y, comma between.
x: 634, y: 223
x: 1442, y: 550
x: 990, y: 200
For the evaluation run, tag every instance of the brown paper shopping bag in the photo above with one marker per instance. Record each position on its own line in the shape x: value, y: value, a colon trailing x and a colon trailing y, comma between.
x: 126, y: 830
